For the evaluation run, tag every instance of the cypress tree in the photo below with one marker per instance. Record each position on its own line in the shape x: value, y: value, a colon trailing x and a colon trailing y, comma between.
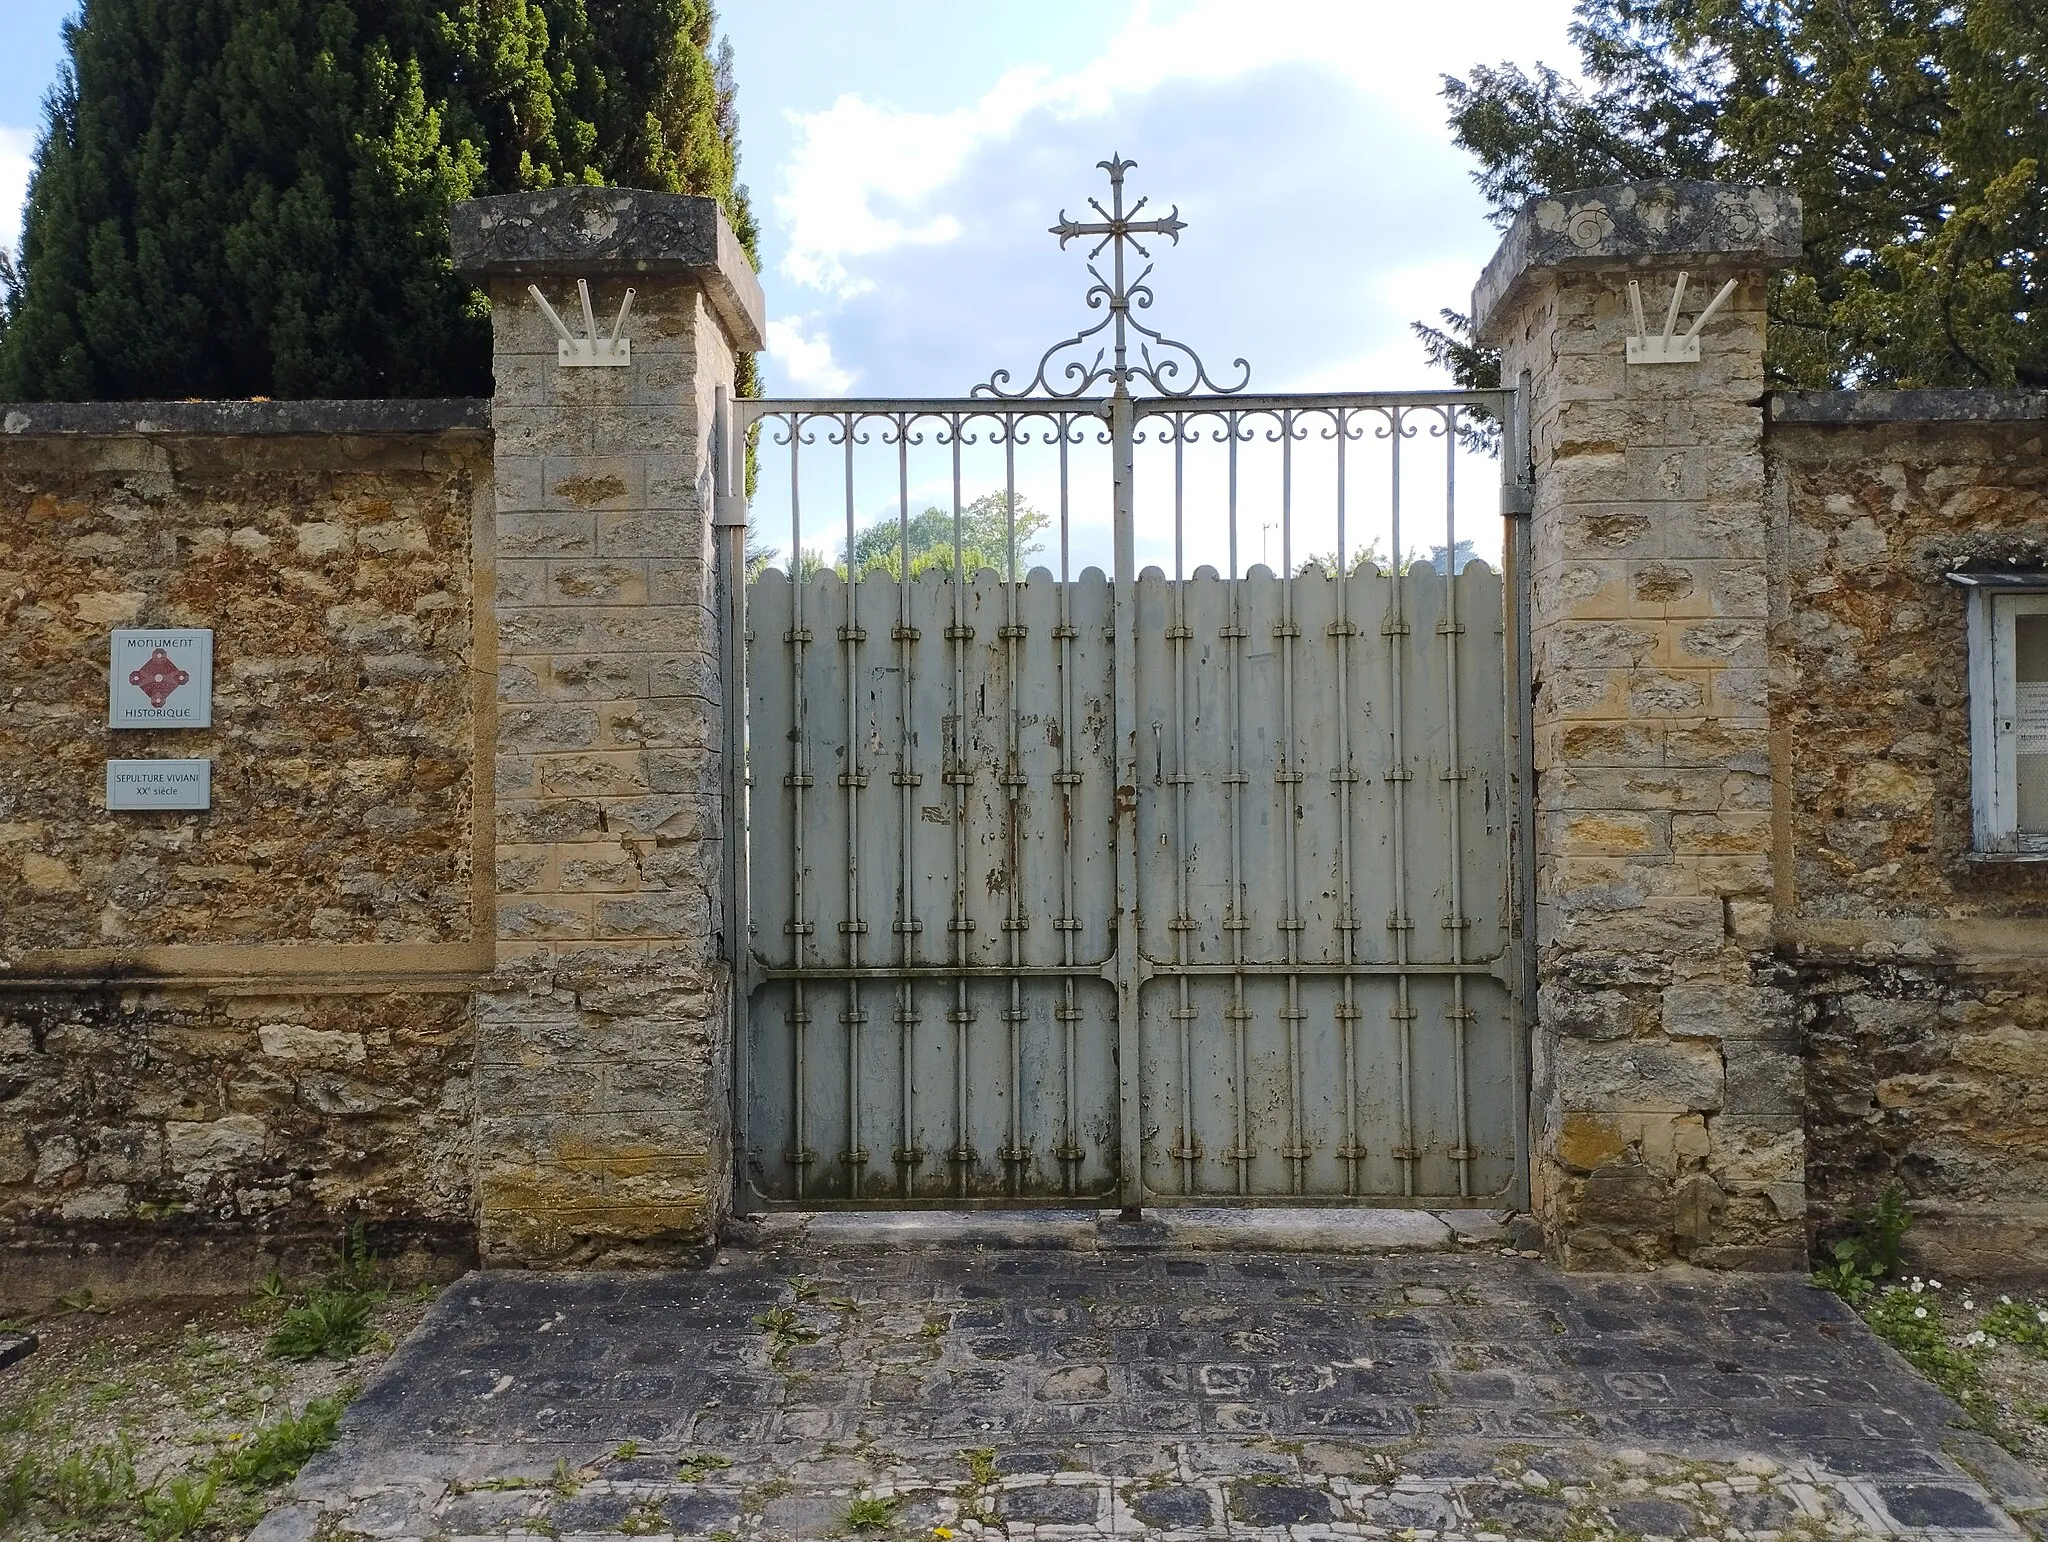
x: 241, y: 198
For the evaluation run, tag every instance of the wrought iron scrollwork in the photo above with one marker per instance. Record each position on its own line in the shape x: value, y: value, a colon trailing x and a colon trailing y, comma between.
x: 1174, y: 369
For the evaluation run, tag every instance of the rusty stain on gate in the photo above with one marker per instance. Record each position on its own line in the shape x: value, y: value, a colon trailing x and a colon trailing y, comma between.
x: 1229, y: 863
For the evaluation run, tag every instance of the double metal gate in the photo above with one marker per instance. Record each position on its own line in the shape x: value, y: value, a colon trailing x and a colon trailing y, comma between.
x: 1200, y: 887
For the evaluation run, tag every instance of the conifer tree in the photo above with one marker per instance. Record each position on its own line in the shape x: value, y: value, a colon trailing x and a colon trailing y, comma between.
x: 250, y: 197
x: 1914, y: 131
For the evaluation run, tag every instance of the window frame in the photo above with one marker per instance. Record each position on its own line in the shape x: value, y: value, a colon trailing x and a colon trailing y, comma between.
x: 1995, y: 600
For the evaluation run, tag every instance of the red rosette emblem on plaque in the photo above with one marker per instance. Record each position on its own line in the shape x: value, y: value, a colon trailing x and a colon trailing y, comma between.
x: 158, y: 678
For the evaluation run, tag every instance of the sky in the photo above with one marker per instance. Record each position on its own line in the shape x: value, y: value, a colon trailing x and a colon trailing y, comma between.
x: 907, y: 156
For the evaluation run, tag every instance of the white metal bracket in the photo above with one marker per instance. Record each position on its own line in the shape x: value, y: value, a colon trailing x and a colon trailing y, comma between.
x: 588, y: 351
x: 1668, y: 348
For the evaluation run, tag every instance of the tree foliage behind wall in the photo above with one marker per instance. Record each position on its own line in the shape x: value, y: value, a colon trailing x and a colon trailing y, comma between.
x: 250, y: 197
x: 1914, y: 131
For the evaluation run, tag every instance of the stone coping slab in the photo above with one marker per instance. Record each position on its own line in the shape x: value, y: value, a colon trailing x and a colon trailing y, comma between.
x: 396, y: 415
x: 1665, y: 224
x: 1967, y: 405
x: 612, y: 232
x: 1158, y: 1394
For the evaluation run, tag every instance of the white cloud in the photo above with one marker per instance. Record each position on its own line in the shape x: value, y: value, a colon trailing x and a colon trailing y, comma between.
x: 17, y: 152
x: 861, y: 172
x: 804, y: 357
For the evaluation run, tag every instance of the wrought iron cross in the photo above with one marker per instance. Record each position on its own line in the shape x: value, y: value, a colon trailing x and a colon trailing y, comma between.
x: 1118, y: 228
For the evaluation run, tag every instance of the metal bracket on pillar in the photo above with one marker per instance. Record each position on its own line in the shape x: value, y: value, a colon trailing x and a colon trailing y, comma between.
x: 588, y: 351
x: 1669, y: 348
x: 728, y: 484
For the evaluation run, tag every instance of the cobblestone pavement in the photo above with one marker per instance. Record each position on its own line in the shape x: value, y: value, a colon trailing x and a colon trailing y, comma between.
x: 1168, y: 1395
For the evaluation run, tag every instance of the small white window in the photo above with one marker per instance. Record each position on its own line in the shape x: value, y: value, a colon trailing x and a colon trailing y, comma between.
x: 2009, y: 711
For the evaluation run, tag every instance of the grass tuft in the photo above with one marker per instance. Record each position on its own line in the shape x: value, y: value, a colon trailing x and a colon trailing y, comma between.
x: 177, y: 1508
x: 871, y: 1514
x: 275, y: 1453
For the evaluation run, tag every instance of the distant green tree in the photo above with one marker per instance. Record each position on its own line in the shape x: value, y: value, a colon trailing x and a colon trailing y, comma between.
x: 1914, y: 131
x: 984, y: 539
x: 250, y: 197
x: 1364, y: 555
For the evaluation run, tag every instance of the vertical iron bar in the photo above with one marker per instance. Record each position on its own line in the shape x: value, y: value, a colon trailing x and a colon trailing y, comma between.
x: 1398, y: 775
x: 1186, y: 1148
x: 1345, y: 774
x: 853, y: 778
x: 1235, y: 921
x: 1067, y: 778
x: 1454, y: 777
x: 1015, y: 1153
x: 1130, y: 1101
x: 958, y: 633
x: 800, y: 1155
x: 1287, y: 777
x: 909, y: 1154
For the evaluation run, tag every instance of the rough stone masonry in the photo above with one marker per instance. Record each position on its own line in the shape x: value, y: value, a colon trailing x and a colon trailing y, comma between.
x: 445, y: 955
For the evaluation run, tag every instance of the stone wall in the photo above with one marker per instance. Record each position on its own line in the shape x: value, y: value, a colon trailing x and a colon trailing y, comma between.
x: 251, y: 1020
x: 1921, y: 975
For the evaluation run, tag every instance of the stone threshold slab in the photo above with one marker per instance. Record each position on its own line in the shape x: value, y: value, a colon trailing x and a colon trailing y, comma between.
x: 1277, y: 1230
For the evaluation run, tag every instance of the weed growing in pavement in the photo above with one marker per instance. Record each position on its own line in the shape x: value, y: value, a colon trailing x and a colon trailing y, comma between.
x: 981, y: 1465
x: 80, y: 1300
x: 333, y: 1324
x: 86, y: 1485
x: 1870, y: 1251
x: 176, y: 1507
x: 332, y: 1321
x: 1909, y: 1318
x: 871, y: 1514
x: 643, y: 1520
x: 699, y: 1465
x: 17, y: 1487
x: 2017, y: 1322
x: 275, y: 1453
x: 784, y: 1330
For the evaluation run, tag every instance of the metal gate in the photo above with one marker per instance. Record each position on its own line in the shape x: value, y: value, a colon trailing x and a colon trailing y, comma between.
x: 1198, y: 887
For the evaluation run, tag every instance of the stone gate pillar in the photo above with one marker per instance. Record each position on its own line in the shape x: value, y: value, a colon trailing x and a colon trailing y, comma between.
x: 1667, y: 1078
x: 601, y: 1087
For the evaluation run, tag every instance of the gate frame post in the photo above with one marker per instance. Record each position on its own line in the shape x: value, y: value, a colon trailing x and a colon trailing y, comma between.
x: 1666, y: 1082
x: 729, y: 531
x: 1123, y: 429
